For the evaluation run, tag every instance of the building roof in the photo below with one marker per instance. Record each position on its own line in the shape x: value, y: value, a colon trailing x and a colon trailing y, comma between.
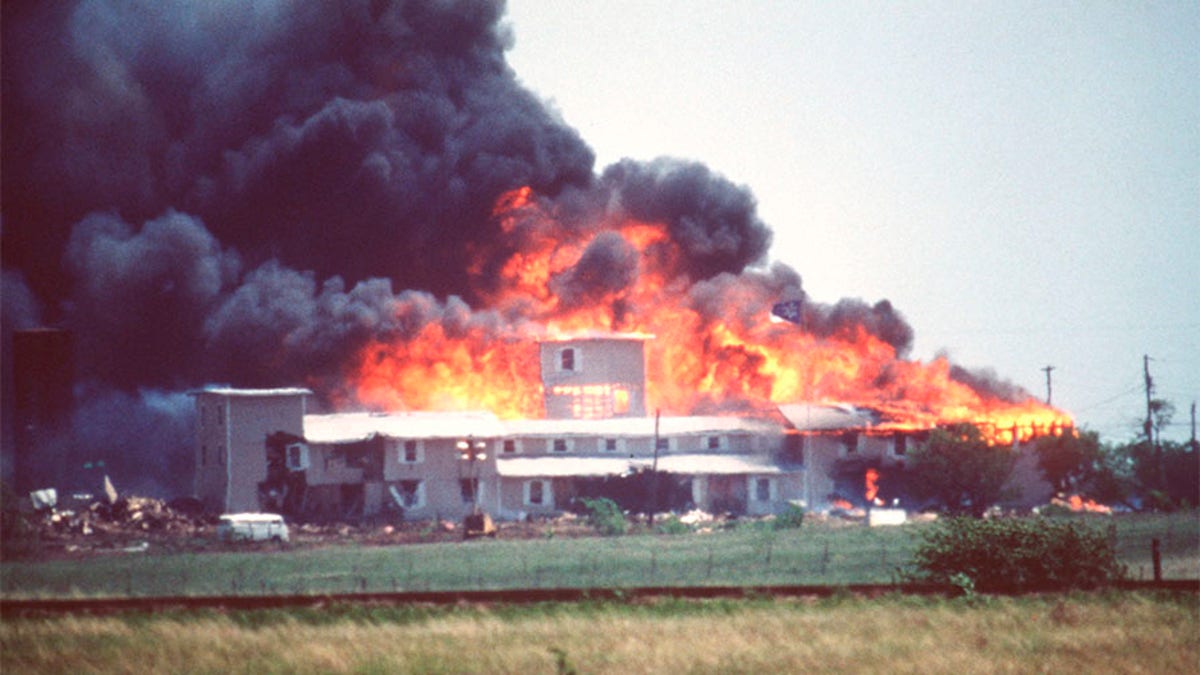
x: 354, y: 427
x: 689, y: 464
x: 823, y: 417
x: 597, y: 335
x: 231, y: 391
x: 635, y: 427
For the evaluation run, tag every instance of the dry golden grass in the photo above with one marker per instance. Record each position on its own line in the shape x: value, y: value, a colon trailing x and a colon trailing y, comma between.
x: 1079, y: 634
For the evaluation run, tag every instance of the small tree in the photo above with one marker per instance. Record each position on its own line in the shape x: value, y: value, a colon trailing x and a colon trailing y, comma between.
x: 604, y: 515
x: 1112, y: 480
x: 1068, y: 460
x: 1176, y: 483
x: 960, y: 470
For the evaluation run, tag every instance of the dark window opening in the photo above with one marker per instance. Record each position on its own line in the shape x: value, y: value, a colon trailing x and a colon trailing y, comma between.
x: 850, y: 439
x: 560, y: 445
x: 793, y: 448
x: 410, y: 493
x: 469, y: 488
x: 567, y: 359
x: 762, y: 489
x: 510, y: 446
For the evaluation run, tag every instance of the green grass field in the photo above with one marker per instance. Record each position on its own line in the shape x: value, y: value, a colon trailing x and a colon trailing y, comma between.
x: 817, y: 553
x: 1110, y: 633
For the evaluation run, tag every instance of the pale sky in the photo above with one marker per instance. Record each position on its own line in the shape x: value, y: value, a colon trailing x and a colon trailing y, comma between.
x: 1021, y: 180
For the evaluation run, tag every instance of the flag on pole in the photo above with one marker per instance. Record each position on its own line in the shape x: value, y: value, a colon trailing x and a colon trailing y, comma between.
x: 788, y: 311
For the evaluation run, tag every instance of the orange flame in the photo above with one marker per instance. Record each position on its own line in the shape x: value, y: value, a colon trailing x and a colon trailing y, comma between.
x: 1080, y: 505
x: 699, y: 360
x: 872, y: 481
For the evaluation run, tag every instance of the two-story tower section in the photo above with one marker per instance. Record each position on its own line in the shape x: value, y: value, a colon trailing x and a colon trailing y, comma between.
x: 594, y: 376
x: 232, y: 427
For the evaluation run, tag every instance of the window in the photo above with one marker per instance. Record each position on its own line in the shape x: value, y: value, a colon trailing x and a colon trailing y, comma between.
x: 297, y: 457
x: 220, y: 415
x: 793, y: 448
x: 537, y: 493
x: 566, y: 359
x: 900, y: 445
x: 509, y: 447
x: 560, y: 445
x: 221, y: 454
x: 714, y: 443
x: 203, y: 455
x: 587, y: 401
x: 611, y: 445
x: 620, y: 401
x: 663, y: 444
x: 763, y: 489
x: 409, y: 493
x: 850, y: 439
x: 411, y: 452
x: 469, y: 489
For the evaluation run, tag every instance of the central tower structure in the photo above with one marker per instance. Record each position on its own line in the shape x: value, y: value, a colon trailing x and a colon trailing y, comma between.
x: 594, y: 376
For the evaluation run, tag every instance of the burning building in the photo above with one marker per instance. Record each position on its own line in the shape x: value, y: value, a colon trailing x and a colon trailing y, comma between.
x: 260, y: 450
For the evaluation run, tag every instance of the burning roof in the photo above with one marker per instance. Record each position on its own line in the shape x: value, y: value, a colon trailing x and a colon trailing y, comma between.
x: 815, y: 417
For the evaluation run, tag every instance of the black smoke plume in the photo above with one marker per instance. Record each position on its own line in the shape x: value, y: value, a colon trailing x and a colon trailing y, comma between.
x: 240, y: 193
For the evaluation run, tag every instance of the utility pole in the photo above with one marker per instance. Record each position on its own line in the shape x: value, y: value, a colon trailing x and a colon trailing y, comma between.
x: 1195, y: 447
x: 1148, y: 425
x: 1048, y: 369
x: 1160, y: 466
x: 654, y: 472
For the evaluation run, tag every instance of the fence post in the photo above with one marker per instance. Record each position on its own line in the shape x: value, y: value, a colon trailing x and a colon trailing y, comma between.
x: 1156, y: 559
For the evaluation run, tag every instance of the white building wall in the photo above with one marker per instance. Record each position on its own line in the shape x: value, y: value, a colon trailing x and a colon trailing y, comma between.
x: 441, y: 470
x: 236, y: 426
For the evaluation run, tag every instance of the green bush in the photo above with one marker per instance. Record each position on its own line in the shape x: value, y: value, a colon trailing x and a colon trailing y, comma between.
x: 790, y: 519
x: 1016, y: 554
x: 604, y: 515
x: 672, y: 525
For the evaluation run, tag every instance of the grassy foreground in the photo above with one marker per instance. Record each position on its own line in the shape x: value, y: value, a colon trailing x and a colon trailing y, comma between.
x: 817, y: 553
x: 1076, y: 633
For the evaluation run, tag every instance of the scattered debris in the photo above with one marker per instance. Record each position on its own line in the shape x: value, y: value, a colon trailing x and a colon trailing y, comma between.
x: 44, y: 499
x: 695, y: 517
x: 124, y: 524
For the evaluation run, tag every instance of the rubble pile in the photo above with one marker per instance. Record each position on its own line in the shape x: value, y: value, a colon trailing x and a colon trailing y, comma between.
x: 112, y: 522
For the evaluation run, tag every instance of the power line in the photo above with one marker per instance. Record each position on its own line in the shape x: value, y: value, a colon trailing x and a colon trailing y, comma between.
x: 1127, y: 392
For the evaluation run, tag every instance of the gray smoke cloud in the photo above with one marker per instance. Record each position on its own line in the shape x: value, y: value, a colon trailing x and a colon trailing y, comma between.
x: 608, y: 266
